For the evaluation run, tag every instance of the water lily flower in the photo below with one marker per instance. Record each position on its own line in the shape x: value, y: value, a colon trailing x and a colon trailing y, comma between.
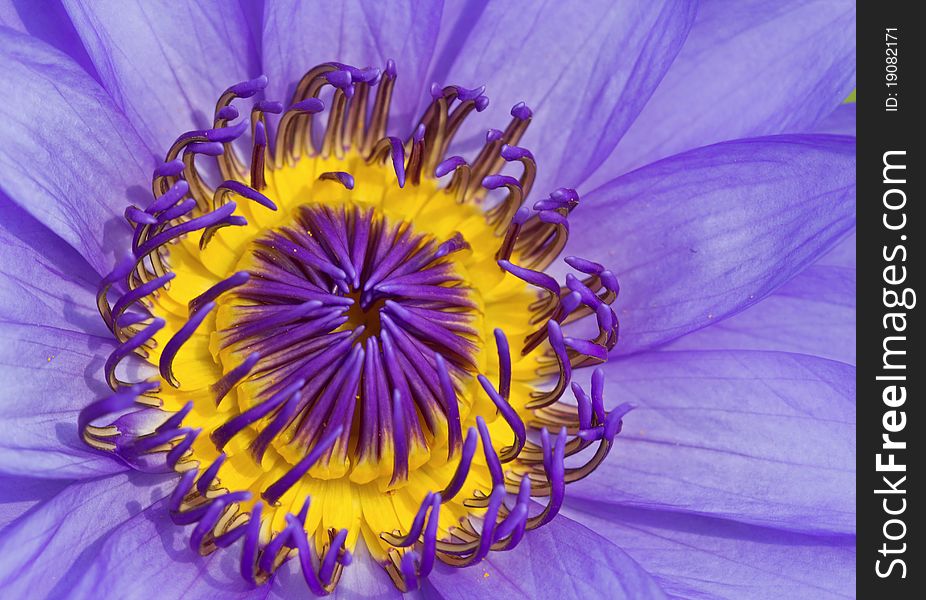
x: 283, y: 316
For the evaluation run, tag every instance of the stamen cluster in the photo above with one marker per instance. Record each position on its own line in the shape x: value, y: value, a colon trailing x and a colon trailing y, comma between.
x: 350, y: 344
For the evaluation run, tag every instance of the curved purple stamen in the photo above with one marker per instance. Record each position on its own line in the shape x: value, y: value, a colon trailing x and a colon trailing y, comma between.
x: 414, y: 531
x: 511, y: 417
x: 246, y: 192
x: 466, y: 458
x: 135, y: 215
x: 326, y: 570
x: 231, y: 379
x: 171, y: 168
x: 176, y: 211
x: 397, y: 152
x: 227, y: 113
x: 127, y: 348
x: 115, y: 403
x: 313, y: 581
x: 170, y: 197
x: 511, y: 153
x: 246, y: 89
x: 273, y: 107
x: 455, y: 432
x: 176, y: 453
x: 535, y: 278
x: 345, y: 179
x: 521, y: 111
x: 211, y: 518
x: 212, y: 294
x: 451, y: 164
x: 554, y: 467
x: 276, y: 490
x: 205, y: 480
x: 194, y: 224
x: 135, y: 295
x: 205, y: 148
x: 428, y: 551
x: 309, y: 105
x: 221, y: 436
x: 495, y: 466
x: 178, y: 340
x: 493, y: 182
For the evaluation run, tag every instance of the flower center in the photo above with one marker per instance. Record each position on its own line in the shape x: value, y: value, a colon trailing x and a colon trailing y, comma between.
x: 345, y: 311
x: 332, y: 323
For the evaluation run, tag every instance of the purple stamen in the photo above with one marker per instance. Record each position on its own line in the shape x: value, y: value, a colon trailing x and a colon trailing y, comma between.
x: 176, y: 453
x: 176, y: 211
x: 134, y: 215
x: 399, y: 437
x: 127, y: 348
x: 135, y: 295
x: 273, y: 107
x: 535, y: 278
x: 455, y: 432
x: 221, y: 436
x: 449, y: 165
x: 511, y: 153
x: 495, y: 466
x: 231, y: 379
x: 212, y: 294
x: 345, y: 179
x: 205, y: 480
x: 205, y: 148
x: 122, y: 400
x: 212, y: 218
x: 521, y: 111
x: 246, y: 89
x: 165, y: 366
x: 511, y: 417
x: 170, y: 197
x: 417, y: 524
x: 397, y: 152
x: 171, y: 168
x: 227, y: 113
x: 236, y: 187
x: 309, y: 105
x: 276, y: 490
x: 466, y: 458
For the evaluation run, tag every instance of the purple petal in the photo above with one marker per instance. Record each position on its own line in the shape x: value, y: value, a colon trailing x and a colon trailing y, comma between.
x: 696, y: 557
x: 766, y: 438
x: 48, y: 21
x: 300, y: 35
x: 748, y: 69
x: 69, y: 157
x: 166, y: 66
x: 586, y: 73
x: 702, y: 235
x: 54, y: 344
x: 790, y: 318
x: 840, y: 122
x: 149, y: 552
x: 21, y: 494
x: 46, y: 551
x: 563, y: 560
